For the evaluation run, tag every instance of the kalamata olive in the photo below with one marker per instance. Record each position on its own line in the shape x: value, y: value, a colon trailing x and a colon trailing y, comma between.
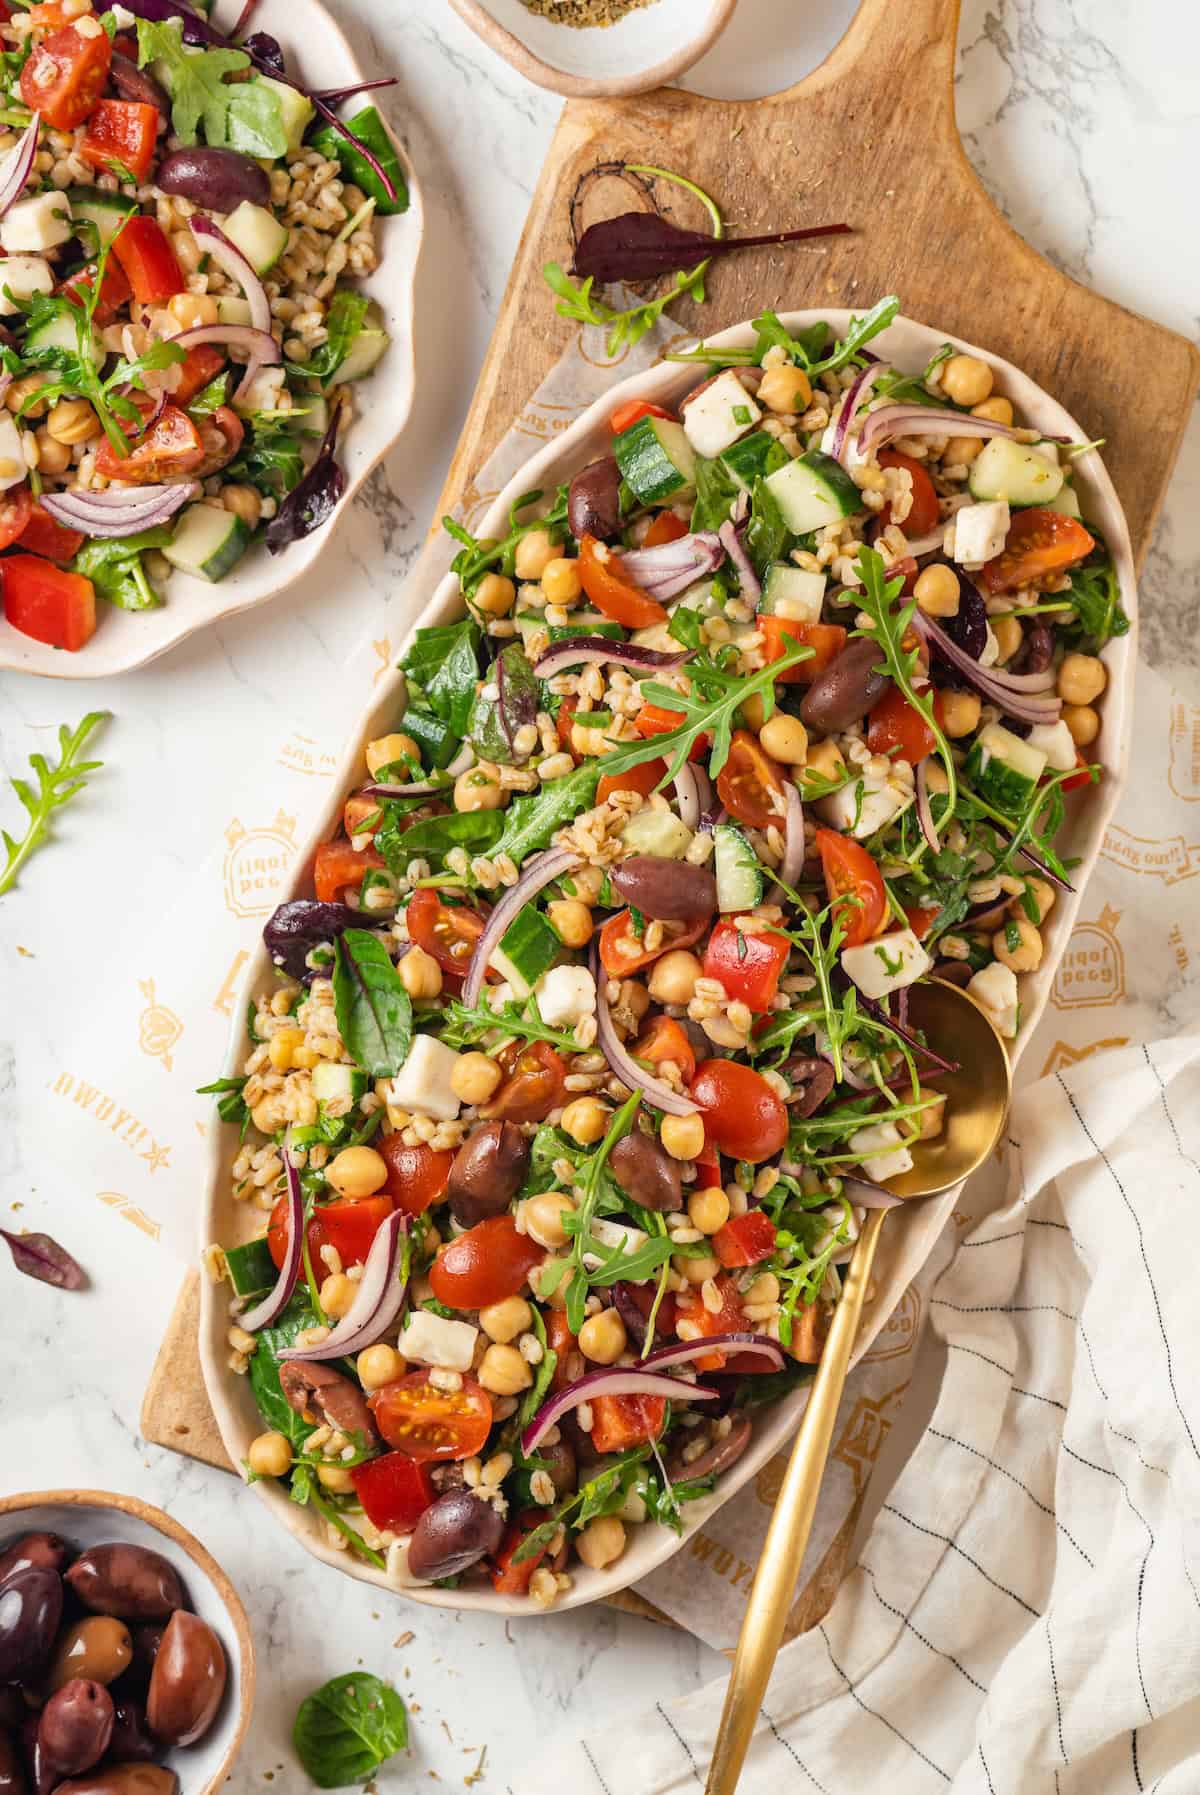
x: 594, y: 500
x: 488, y: 1171
x: 560, y: 1466
x: 455, y: 1531
x: 847, y: 689
x: 98, y: 1647
x: 133, y: 83
x: 953, y: 972
x: 1036, y: 651
x: 671, y: 890
x: 968, y: 628
x: 218, y: 178
x: 30, y: 1612
x: 33, y: 1551
x: 718, y: 1457
x: 132, y: 1741
x: 76, y: 1726
x: 319, y: 1393
x: 131, y: 1582
x: 134, y: 1682
x: 187, y: 1682
x: 811, y: 1081
x: 12, y: 1771
x: 123, y: 1779
x: 12, y: 1708
x: 646, y: 1172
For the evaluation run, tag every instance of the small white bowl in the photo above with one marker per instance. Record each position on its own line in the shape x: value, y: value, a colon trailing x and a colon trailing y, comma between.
x: 97, y: 1517
x: 648, y: 47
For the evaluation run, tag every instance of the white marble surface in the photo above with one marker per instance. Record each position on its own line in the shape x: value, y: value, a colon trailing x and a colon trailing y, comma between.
x: 1083, y: 121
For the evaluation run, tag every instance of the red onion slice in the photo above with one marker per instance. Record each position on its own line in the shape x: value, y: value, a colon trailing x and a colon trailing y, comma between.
x: 600, y: 651
x: 925, y: 420
x: 230, y: 259
x: 670, y: 568
x: 1012, y: 692
x: 793, y: 850
x: 118, y: 513
x: 377, y: 1302
x: 426, y: 789
x: 277, y: 1300
x: 687, y: 797
x: 635, y: 1077
x: 856, y: 394
x: 748, y: 580
x: 682, y: 1352
x: 924, y: 809
x: 257, y: 343
x: 927, y: 545
x: 537, y: 873
x: 861, y: 1193
x: 15, y: 168
x: 620, y: 1380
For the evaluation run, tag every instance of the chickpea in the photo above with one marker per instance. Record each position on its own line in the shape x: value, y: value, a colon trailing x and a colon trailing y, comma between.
x: 1083, y: 722
x: 1081, y: 678
x: 337, y: 1295
x: 937, y: 591
x: 1027, y: 955
x: 673, y: 978
x: 478, y: 789
x: 753, y: 712
x: 379, y: 1365
x: 634, y: 998
x: 192, y: 310
x: 602, y: 1337
x: 586, y: 1121
x: 785, y: 739
x: 1009, y: 636
x: 20, y: 390
x: 683, y: 1136
x: 502, y: 1322
x: 534, y: 554
x: 960, y: 713
x: 244, y: 502
x: 270, y: 1455
x: 696, y: 1271
x: 932, y: 1120
x: 557, y: 1298
x: 601, y: 1542
x: 966, y: 380
x: 708, y: 1210
x: 495, y: 595
x: 420, y: 974
x: 504, y: 1372
x: 357, y: 1172
x: 571, y: 920
x: 72, y: 421
x: 335, y: 1478
x: 786, y: 389
x: 53, y: 457
x: 386, y: 750
x: 543, y: 1217
x: 475, y: 1077
x: 561, y: 581
x: 765, y: 1289
x: 282, y: 1049
x: 825, y: 760
x: 997, y: 410
x: 1043, y: 895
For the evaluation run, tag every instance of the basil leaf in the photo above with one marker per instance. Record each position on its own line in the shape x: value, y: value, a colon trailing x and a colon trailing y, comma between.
x: 374, y: 1011
x: 444, y: 663
x: 346, y: 1729
x: 534, y: 817
x: 433, y: 837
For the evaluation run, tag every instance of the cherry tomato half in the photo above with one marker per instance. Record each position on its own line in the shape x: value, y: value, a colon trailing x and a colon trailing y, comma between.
x: 632, y: 412
x: 622, y: 952
x: 120, y: 136
x: 742, y: 1114
x: 750, y: 784
x: 748, y: 966
x: 338, y: 867
x: 447, y: 931
x: 64, y: 76
x: 394, y: 1490
x: 606, y: 585
x: 921, y: 918
x: 894, y: 724
x: 417, y: 1176
x: 535, y: 1085
x: 427, y: 1423
x: 487, y: 1264
x: 667, y: 527
x: 780, y: 634
x: 349, y: 1224
x: 923, y: 514
x: 851, y: 873
x: 1039, y: 542
x: 642, y: 780
x: 170, y: 449
x: 663, y: 1039
x: 16, y: 509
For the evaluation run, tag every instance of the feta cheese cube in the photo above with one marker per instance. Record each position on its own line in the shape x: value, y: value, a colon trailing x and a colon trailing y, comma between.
x: 24, y: 276
x: 1054, y: 741
x: 12, y: 455
x: 565, y: 995
x: 864, y: 806
x: 423, y: 1082
x: 979, y: 532
x: 886, y: 964
x: 872, y: 1146
x: 722, y: 412
x: 995, y: 991
x: 42, y: 222
x: 610, y: 1235
x: 430, y: 1339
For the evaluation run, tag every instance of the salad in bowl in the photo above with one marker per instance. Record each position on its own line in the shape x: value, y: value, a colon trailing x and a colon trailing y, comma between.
x: 573, y: 1070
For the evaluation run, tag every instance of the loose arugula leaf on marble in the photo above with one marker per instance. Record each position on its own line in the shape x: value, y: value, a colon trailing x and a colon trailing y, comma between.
x: 374, y: 1011
x: 56, y: 786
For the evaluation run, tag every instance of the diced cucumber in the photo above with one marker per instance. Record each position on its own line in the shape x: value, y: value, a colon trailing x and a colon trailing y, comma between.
x: 739, y: 874
x: 659, y: 833
x: 258, y: 234
x: 1067, y: 503
x: 719, y: 414
x: 1004, y: 469
x: 233, y: 309
x: 296, y: 111
x: 788, y: 591
x: 370, y: 130
x: 100, y: 214
x: 310, y: 416
x: 1004, y: 769
x: 813, y: 491
x: 331, y: 1083
x: 753, y: 457
x: 60, y: 332
x: 208, y: 541
x: 511, y: 974
x: 251, y: 1267
x: 530, y: 944
x: 363, y: 353
x: 656, y: 460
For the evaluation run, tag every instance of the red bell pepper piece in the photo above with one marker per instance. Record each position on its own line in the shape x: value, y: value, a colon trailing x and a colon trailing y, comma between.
x: 120, y: 138
x: 510, y: 1579
x: 144, y: 251
x: 48, y: 603
x: 42, y: 536
x: 619, y: 1422
x: 394, y: 1490
x: 745, y: 1239
x: 203, y: 364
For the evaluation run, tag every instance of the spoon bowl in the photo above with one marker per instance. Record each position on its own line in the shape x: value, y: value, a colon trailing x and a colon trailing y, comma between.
x: 978, y: 1092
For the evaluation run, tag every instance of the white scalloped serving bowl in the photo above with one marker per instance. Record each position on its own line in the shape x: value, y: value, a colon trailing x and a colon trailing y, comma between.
x: 317, y: 49
x: 910, y: 1239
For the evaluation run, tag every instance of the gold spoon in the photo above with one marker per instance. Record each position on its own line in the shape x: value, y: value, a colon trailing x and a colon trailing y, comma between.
x: 977, y: 1099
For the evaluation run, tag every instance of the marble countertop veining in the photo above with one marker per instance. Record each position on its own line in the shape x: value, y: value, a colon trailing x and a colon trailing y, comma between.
x: 1081, y: 119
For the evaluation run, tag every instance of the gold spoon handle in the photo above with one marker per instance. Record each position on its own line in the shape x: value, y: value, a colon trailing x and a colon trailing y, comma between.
x: 787, y: 1536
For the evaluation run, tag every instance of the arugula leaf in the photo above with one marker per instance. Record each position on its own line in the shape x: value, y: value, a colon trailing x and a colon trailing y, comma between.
x: 543, y: 1378
x: 767, y: 536
x: 273, y: 1405
x: 115, y: 567
x: 270, y: 457
x: 590, y: 1182
x: 576, y: 300
x: 56, y: 786
x: 374, y: 1011
x: 346, y: 1729
x: 344, y: 321
x: 685, y: 627
x: 1095, y: 592
x: 242, y: 115
x: 231, y: 1106
x: 444, y: 663
x: 481, y: 554
x: 210, y: 398
x: 461, y: 1025
x: 433, y: 837
x: 533, y: 817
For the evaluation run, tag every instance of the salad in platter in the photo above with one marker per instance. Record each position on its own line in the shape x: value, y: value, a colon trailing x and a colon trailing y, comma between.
x: 590, y: 1047
x: 182, y: 226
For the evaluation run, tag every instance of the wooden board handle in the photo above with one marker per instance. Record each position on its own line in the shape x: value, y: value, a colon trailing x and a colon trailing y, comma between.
x: 898, y: 50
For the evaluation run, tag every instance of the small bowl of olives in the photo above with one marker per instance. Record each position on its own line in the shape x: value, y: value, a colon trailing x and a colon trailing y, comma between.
x: 126, y: 1661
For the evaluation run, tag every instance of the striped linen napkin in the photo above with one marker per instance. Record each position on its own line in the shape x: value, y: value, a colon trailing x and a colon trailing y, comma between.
x: 1025, y: 1615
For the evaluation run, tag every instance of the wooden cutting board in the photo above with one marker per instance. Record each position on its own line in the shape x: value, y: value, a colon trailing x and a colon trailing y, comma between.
x: 868, y: 138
